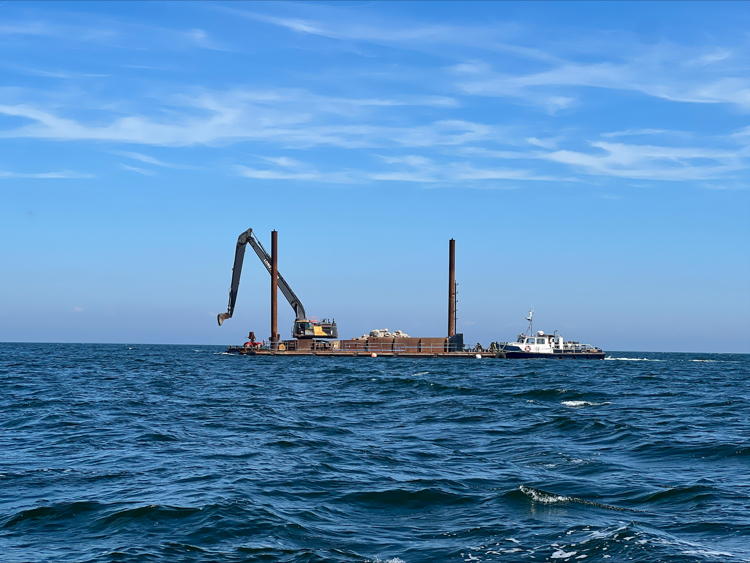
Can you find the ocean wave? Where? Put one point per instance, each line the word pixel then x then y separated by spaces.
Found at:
pixel 707 449
pixel 634 359
pixel 394 383
pixel 41 515
pixel 157 437
pixel 541 393
pixel 150 512
pixel 562 554
pixel 632 541
pixel 543 497
pixel 584 403
pixel 408 498
pixel 680 494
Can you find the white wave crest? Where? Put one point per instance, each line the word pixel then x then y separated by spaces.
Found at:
pixel 707 553
pixel 579 404
pixel 541 496
pixel 561 554
pixel 634 359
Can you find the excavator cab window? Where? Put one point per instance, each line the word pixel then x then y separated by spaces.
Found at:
pixel 301 327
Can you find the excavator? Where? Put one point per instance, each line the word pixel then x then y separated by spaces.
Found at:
pixel 303 327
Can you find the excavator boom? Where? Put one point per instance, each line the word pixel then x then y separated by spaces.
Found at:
pixel 248 237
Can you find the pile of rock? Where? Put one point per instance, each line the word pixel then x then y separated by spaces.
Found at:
pixel 382 333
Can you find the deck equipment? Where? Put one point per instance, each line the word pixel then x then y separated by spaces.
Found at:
pixel 303 327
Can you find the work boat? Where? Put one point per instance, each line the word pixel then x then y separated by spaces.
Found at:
pixel 540 345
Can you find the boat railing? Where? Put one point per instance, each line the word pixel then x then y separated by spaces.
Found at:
pixel 568 347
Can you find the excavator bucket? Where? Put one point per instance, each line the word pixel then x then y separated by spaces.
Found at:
pixel 221 317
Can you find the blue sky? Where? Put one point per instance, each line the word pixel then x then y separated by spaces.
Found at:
pixel 591 158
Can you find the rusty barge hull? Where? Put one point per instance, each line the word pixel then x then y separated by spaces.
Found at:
pixel 240 351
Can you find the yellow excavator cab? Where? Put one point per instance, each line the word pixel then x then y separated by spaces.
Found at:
pixel 307 328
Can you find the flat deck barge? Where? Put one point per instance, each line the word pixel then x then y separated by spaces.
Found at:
pixel 239 350
pixel 392 348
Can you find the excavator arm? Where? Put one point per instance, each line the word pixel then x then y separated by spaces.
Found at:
pixel 248 237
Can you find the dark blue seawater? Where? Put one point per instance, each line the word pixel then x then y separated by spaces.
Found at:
pixel 180 453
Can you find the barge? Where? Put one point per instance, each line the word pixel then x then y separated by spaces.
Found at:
pixel 544 348
pixel 313 337
pixel 425 347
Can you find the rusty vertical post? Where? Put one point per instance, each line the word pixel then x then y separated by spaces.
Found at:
pixel 274 287
pixel 452 288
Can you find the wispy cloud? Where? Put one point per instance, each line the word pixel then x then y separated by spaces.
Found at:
pixel 452 118
pixel 551 143
pixel 145 158
pixel 282 161
pixel 650 75
pixel 710 58
pixel 63 74
pixel 307 175
pixel 353 26
pixel 638 161
pixel 667 71
pixel 352 29
pixel 650 162
pixel 643 132
pixel 742 135
pixel 138 170
pixel 210 119
pixel 478 79
pixel 483 152
pixel 111 32
pixel 200 38
pixel 64 174
pixel 413 169
pixel 43 28
pixel 727 186
pixel 235 122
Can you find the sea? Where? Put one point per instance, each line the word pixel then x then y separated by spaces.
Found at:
pixel 147 453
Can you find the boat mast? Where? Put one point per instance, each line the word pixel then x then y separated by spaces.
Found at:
pixel 530 318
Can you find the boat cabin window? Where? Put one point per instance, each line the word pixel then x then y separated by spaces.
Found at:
pixel 530 341
pixel 521 339
pixel 540 341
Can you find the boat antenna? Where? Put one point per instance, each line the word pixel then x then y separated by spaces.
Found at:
pixel 530 318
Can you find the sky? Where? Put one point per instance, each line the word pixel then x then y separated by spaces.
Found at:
pixel 590 159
